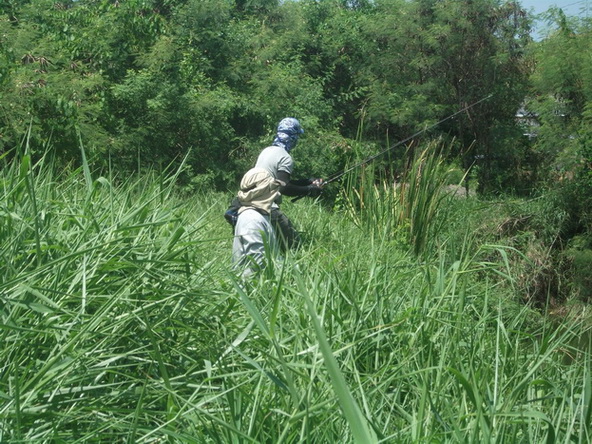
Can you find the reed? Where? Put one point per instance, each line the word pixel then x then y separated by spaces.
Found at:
pixel 127 324
pixel 412 206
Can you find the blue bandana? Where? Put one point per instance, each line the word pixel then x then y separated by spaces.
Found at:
pixel 288 131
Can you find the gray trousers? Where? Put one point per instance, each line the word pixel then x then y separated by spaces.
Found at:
pixel 253 237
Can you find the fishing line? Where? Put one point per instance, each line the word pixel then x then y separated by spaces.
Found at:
pixel 401 142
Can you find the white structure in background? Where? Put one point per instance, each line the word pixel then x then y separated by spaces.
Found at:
pixel 529 121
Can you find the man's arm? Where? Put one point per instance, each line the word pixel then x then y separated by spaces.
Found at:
pixel 297 188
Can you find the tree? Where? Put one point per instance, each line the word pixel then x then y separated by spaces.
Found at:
pixel 157 79
pixel 562 99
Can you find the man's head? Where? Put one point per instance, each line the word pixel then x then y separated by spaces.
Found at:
pixel 288 131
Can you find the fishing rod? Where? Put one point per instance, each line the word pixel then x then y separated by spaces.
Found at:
pixel 334 177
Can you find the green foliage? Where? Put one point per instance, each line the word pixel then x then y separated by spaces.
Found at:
pixel 412 205
pixel 122 321
pixel 581 263
pixel 539 235
pixel 583 170
pixel 201 27
pixel 155 80
pixel 404 317
pixel 435 56
pixel 561 84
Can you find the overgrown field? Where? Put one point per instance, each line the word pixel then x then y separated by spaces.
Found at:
pixel 122 321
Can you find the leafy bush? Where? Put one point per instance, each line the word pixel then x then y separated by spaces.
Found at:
pixel 581 264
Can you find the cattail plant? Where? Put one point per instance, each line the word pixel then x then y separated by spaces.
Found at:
pixel 413 204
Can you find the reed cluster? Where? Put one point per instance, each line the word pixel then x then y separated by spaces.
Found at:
pixel 122 321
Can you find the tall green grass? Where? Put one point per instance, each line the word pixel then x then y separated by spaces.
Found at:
pixel 410 207
pixel 121 321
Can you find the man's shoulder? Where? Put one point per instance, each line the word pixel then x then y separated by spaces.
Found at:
pixel 275 151
pixel 275 148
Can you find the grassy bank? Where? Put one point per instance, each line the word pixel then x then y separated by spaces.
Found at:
pixel 122 321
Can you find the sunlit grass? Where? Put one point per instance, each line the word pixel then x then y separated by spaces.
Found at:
pixel 121 321
pixel 409 208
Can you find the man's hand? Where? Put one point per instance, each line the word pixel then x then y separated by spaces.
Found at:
pixel 314 190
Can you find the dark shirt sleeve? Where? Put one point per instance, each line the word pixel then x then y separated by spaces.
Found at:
pixel 293 188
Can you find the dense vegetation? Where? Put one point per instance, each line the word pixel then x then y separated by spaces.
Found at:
pixel 122 321
pixel 149 82
pixel 407 315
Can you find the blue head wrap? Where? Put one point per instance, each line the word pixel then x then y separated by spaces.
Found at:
pixel 288 131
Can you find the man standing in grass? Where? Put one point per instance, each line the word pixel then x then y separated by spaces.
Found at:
pixel 253 234
pixel 277 161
